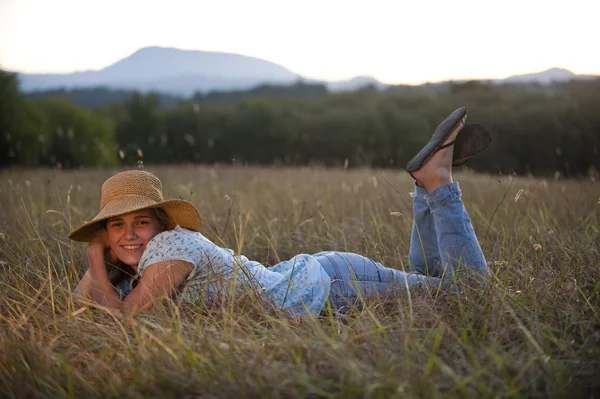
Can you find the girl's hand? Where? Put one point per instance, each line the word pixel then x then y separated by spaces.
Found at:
pixel 100 240
pixel 101 245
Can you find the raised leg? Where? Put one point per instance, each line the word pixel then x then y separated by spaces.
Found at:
pixel 456 239
pixel 424 253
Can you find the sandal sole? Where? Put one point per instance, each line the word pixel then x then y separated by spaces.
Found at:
pixel 471 140
pixel 444 129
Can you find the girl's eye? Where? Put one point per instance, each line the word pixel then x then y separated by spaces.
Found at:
pixel 116 224
pixel 143 222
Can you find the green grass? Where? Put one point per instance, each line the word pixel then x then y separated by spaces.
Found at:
pixel 534 331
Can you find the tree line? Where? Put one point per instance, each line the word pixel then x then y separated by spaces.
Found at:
pixel 539 129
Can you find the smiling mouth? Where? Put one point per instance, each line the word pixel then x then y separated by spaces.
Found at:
pixel 131 248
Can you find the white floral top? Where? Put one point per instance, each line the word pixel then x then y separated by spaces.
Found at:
pixel 299 285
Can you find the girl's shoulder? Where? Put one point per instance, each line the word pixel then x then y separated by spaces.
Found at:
pixel 177 237
pixel 180 244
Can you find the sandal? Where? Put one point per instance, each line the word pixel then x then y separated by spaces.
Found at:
pixel 436 143
pixel 470 140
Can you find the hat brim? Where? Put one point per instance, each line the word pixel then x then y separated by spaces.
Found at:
pixel 181 212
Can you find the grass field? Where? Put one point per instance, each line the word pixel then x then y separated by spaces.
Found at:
pixel 534 331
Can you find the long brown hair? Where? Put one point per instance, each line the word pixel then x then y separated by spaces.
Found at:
pixel 164 219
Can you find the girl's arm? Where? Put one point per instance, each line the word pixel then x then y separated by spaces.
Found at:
pixel 83 290
pixel 158 280
pixel 101 289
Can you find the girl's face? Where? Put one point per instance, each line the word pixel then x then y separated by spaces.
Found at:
pixel 130 233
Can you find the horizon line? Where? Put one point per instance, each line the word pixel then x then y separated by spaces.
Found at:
pixel 301 77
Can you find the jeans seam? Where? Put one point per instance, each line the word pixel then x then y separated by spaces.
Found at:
pixel 443 195
pixel 353 283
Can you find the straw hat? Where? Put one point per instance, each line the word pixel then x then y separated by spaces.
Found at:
pixel 135 190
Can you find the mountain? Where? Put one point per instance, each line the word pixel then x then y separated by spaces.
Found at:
pixel 546 77
pixel 170 70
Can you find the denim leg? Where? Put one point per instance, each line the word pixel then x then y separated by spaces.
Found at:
pixel 424 253
pixel 458 245
pixel 353 276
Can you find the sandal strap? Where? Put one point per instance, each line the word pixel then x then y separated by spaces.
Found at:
pixel 446 145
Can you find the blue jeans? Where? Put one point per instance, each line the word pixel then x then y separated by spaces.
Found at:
pixel 443 245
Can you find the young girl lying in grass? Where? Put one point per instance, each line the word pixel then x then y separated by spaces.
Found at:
pixel 160 241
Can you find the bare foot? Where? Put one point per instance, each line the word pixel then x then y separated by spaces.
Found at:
pixel 437 170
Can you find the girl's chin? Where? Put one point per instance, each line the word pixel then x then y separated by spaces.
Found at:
pixel 130 260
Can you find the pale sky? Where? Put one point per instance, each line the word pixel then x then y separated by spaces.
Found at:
pixel 402 41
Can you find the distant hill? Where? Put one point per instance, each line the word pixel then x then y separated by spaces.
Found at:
pixel 545 77
pixel 169 70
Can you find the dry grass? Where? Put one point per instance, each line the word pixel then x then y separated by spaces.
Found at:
pixel 535 331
